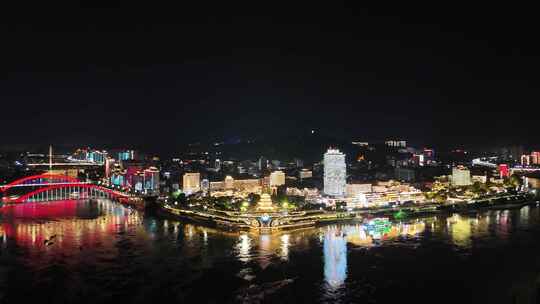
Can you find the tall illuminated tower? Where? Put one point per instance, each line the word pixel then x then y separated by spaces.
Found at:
pixel 335 173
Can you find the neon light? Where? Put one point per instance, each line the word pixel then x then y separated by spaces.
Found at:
pixel 88 186
pixel 39 176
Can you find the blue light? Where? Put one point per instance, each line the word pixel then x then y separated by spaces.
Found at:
pixel 265 218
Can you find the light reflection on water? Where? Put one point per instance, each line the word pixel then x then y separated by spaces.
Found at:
pixel 102 235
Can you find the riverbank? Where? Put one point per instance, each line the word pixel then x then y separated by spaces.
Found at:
pixel 259 221
pixel 266 222
pixel 506 202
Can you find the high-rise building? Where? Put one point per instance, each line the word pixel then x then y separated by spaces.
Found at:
pixel 126 155
pixel 191 182
pixel 132 168
pixel 205 185
pixel 109 165
pixel 277 178
pixel 151 179
pixel 461 176
pixel 335 173
pixel 137 181
pixel 418 160
pixel 429 155
pixel 396 143
pixel 97 156
pixel 535 158
pixel 525 160
pixel 89 155
pixel 503 170
pixel 262 163
pixel 118 179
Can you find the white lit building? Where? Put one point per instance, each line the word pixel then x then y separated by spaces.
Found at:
pixel 277 178
pixel 360 143
pixel 353 190
pixel 461 176
pixel 229 182
pixel 396 143
pixel 205 185
pixel 335 173
pixel 191 182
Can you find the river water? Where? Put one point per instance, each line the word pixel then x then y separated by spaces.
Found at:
pixel 103 252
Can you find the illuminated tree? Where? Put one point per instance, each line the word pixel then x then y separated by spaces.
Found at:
pixel 514 181
pixel 440 197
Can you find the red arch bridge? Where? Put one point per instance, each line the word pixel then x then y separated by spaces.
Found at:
pixel 51 187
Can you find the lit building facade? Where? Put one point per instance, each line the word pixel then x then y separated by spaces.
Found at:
pixel 205 185
pixel 479 178
pixel 396 143
pixel 191 182
pixel 461 176
pixel 531 159
pixel 262 163
pixel 109 165
pixel 89 155
pixel 304 173
pixel 535 158
pixel 237 187
pixel 335 173
pixel 354 190
pixel 504 171
pixel 228 182
pixel 126 155
pixel 277 178
pixel 151 179
pixel 525 160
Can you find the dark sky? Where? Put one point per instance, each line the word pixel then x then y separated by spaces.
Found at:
pixel 122 73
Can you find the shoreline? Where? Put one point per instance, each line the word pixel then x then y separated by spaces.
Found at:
pixel 269 222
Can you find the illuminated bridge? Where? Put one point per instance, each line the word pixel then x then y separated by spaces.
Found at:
pixel 52 187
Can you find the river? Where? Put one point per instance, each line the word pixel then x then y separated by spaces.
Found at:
pixel 103 252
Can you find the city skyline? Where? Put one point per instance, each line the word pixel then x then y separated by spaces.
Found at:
pixel 268 152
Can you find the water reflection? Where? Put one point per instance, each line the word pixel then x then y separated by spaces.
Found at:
pixel 244 247
pixel 284 254
pixel 335 257
pixel 460 229
pixel 67 223
pixel 126 245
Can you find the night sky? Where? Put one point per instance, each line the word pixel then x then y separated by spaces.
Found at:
pixel 123 73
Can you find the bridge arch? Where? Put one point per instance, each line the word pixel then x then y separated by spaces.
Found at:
pixel 79 187
pixel 47 176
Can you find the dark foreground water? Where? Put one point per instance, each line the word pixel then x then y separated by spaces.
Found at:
pixel 102 252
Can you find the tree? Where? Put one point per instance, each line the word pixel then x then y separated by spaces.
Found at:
pixel 182 200
pixel 440 197
pixel 341 205
pixel 515 181
pixel 429 195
